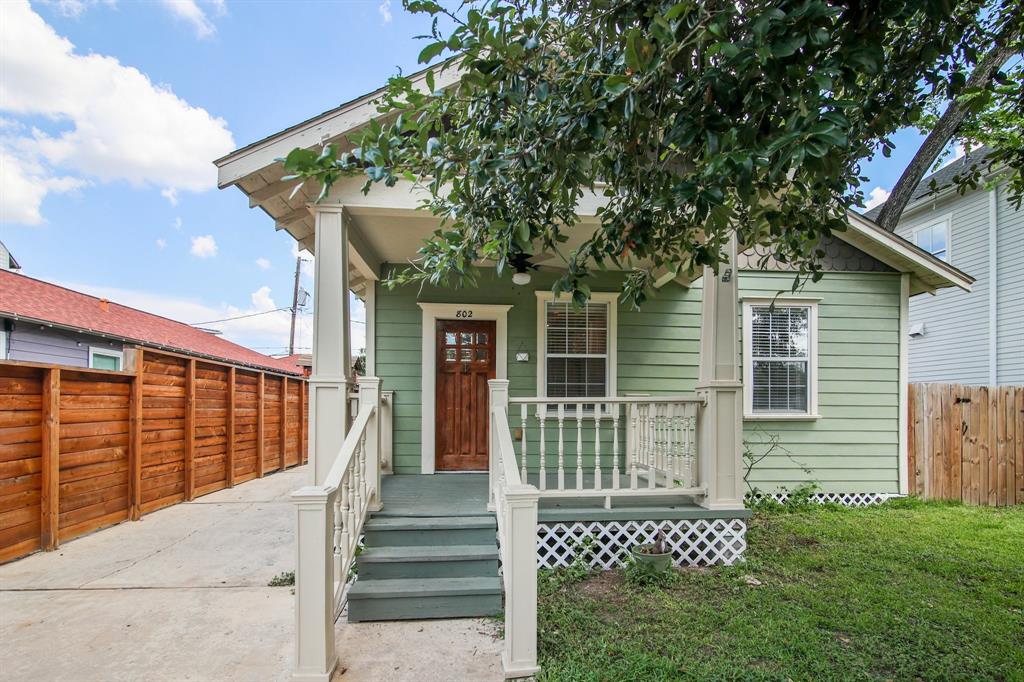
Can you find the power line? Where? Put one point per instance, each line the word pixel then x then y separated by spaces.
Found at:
pixel 240 317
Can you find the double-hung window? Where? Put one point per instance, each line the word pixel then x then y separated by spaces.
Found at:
pixel 576 357
pixel 934 238
pixel 780 359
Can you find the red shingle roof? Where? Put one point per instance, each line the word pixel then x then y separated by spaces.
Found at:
pixel 25 297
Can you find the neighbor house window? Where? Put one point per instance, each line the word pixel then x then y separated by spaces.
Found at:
pixel 576 347
pixel 3 344
pixel 780 358
pixel 934 239
pixel 102 358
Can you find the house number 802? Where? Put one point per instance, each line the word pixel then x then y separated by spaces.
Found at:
pixel 464 314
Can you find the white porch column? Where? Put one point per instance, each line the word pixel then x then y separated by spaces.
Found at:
pixel 369 394
pixel 519 657
pixel 315 657
pixel 328 384
pixel 720 424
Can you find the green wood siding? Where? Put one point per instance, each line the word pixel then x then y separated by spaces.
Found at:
pixel 852 448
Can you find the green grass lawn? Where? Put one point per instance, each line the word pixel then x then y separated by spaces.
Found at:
pixel 907 590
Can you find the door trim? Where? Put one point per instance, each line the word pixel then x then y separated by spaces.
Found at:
pixel 432 312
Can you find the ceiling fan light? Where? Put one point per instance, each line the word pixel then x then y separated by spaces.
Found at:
pixel 521 278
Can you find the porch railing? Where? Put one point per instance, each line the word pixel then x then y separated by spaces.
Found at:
pixel 329 523
pixel 610 446
pixel 515 506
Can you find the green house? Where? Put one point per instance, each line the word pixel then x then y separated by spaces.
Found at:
pixel 500 423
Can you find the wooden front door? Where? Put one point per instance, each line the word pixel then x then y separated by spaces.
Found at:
pixel 465 361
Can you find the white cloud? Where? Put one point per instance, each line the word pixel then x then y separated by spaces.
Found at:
pixel 176 224
pixel 958 152
pixel 92 119
pixel 75 8
pixel 307 267
pixel 161 244
pixel 263 263
pixel 170 194
pixel 876 197
pixel 385 11
pixel 204 246
pixel 192 13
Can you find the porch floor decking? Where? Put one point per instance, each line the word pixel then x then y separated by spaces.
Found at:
pixel 458 494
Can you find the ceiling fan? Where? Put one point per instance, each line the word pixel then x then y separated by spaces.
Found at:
pixel 523 262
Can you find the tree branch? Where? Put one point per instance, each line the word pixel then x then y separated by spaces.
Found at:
pixel 946 127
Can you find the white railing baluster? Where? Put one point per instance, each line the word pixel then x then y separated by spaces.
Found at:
pixel 541 418
pixel 579 446
pixel 522 438
pixel 597 446
pixel 561 446
pixel 615 445
pixel 634 446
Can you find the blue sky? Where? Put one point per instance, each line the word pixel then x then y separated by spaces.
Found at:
pixel 99 191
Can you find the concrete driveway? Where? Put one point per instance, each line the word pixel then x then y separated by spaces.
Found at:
pixel 183 595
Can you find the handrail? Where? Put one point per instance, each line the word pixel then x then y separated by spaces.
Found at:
pixel 349 447
pixel 506 450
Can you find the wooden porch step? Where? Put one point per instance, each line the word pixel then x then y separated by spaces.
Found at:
pixel 452 561
pixel 421 531
pixel 415 598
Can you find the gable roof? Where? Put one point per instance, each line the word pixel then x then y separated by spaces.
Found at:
pixel 10 257
pixel 256 172
pixel 33 300
pixel 943 178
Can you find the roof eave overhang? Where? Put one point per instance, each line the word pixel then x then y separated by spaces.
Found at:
pixel 928 273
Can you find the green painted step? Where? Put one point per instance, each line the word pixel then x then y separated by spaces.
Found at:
pixel 415 598
pixel 452 561
pixel 410 531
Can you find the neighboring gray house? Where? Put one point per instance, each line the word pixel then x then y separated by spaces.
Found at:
pixel 7 261
pixel 956 336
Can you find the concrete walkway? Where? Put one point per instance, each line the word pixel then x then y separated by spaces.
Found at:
pixel 183 595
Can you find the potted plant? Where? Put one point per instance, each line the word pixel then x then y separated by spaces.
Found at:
pixel 653 558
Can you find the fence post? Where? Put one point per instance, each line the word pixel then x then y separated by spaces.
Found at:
pixel 260 444
pixel 190 429
pixel 519 657
pixel 49 491
pixel 498 398
pixel 230 478
pixel 283 431
pixel 315 657
pixel 369 394
pixel 135 437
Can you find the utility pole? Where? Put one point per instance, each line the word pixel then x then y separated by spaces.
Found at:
pixel 295 305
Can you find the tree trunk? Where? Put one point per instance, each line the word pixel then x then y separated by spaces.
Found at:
pixel 939 137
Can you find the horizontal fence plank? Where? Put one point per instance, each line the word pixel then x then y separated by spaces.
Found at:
pixel 84 449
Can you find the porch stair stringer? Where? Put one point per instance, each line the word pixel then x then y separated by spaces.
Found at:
pixel 415 567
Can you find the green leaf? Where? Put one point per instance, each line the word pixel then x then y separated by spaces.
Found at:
pixel 431 51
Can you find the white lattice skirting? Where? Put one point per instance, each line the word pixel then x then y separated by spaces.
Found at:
pixel 845 499
pixel 694 542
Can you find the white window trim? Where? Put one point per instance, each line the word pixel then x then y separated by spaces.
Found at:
pixel 432 312
pixel 106 352
pixel 812 361
pixel 947 220
pixel 612 299
pixel 3 344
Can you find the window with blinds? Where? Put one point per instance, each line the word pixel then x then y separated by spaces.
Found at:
pixel 576 344
pixel 780 343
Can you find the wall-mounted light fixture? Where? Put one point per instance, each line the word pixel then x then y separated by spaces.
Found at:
pixel 727 275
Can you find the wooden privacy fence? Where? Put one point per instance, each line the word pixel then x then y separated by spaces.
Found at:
pixel 81 449
pixel 967 443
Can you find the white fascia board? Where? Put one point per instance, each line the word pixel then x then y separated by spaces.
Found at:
pixel 899 253
pixel 327 126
